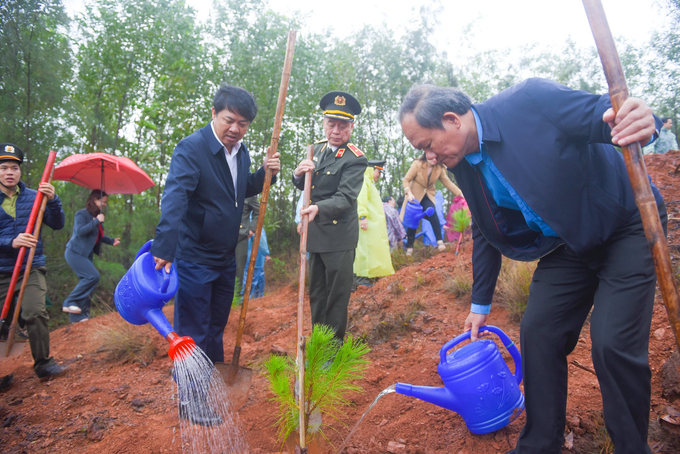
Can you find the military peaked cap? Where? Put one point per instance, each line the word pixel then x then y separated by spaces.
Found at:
pixel 340 105
pixel 10 152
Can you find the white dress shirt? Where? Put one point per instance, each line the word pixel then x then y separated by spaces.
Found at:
pixel 231 156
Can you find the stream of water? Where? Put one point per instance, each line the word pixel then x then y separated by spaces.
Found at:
pixel 207 423
pixel 389 389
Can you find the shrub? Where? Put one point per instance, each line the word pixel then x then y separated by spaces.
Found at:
pixel 458 285
pixel 124 342
pixel 513 286
pixel 330 372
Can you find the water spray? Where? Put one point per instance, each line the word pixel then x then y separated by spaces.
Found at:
pixel 141 294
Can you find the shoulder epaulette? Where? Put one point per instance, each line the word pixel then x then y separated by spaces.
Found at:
pixel 358 153
pixel 321 141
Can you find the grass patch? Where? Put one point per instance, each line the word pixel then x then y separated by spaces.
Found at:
pixel 396 288
pixel 419 282
pixel 513 286
pixel 393 324
pixel 126 343
pixel 602 439
pixel 458 285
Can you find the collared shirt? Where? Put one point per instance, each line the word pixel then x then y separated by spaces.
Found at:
pixel 503 193
pixel 9 204
pixel 231 156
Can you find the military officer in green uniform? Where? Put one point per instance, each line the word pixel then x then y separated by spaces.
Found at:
pixel 337 175
pixel 251 211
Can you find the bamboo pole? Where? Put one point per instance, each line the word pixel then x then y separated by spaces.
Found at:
pixel 278 119
pixel 637 172
pixel 301 344
pixel 27 272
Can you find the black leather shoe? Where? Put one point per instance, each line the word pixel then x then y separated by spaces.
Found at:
pixel 201 415
pixel 51 371
pixel 6 382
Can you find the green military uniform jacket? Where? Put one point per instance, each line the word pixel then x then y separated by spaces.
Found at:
pixel 336 183
pixel 250 205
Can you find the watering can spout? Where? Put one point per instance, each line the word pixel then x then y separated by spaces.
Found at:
pixel 441 397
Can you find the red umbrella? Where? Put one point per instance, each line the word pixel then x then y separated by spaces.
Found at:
pixel 111 174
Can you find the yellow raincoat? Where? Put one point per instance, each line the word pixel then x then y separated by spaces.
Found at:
pixel 373 257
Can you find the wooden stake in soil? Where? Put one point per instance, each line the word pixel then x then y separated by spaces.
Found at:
pixel 306 200
pixel 31 254
pixel 278 119
pixel 637 172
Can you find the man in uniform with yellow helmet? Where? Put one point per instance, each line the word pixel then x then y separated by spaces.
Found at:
pixel 337 174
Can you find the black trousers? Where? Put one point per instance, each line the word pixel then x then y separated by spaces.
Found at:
pixel 617 280
pixel 434 220
pixel 330 287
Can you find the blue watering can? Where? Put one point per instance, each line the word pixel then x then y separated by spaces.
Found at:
pixel 413 213
pixel 477 383
pixel 141 294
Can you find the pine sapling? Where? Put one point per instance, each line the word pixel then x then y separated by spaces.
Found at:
pixel 331 372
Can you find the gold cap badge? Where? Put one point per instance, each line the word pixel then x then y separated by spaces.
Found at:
pixel 9 148
pixel 339 100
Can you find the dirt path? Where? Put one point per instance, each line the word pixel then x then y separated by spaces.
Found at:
pixel 102 406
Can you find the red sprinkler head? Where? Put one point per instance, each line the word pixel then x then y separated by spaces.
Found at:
pixel 180 347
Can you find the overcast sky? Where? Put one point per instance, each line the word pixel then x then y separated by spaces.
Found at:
pixel 496 24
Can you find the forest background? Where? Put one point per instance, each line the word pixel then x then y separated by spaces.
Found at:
pixel 133 77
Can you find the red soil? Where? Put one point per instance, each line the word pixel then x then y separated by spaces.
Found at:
pixel 102 406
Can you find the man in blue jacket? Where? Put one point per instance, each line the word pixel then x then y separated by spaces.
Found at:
pixel 543 182
pixel 201 208
pixel 16 202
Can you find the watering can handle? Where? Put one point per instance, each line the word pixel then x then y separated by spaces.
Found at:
pixel 166 281
pixel 507 342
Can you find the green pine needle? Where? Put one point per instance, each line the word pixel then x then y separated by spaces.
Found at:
pixel 331 373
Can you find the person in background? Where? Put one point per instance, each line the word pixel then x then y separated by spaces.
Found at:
pixel 86 240
pixel 667 140
pixel 201 208
pixel 560 195
pixel 458 203
pixel 337 171
pixel 395 228
pixel 257 286
pixel 372 258
pixel 419 185
pixel 251 211
pixel 16 203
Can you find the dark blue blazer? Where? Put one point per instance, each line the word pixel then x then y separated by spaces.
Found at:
pixel 552 146
pixel 85 232
pixel 200 216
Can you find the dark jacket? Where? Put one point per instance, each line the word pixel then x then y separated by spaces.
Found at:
pixel 336 183
pixel 200 216
pixel 551 145
pixel 10 228
pixel 251 205
pixel 84 237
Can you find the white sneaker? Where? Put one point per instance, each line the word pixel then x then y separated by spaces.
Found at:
pixel 409 252
pixel 441 246
pixel 72 309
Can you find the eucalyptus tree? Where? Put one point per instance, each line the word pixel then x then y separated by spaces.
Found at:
pixel 36 68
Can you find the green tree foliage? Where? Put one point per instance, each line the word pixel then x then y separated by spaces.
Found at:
pixel 36 70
